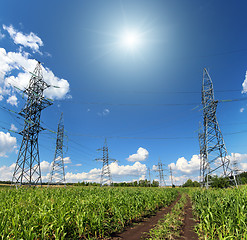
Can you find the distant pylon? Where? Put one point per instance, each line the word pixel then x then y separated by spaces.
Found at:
pixel 171 175
pixel 105 177
pixel 235 170
pixel 57 175
pixel 215 160
pixel 27 170
pixel 160 170
pixel 149 175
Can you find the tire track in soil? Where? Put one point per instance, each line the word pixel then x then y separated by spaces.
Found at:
pixel 187 232
pixel 141 230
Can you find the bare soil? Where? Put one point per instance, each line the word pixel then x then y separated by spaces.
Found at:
pixel 141 229
pixel 188 232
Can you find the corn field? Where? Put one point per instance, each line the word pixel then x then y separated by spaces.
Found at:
pixel 222 213
pixel 76 212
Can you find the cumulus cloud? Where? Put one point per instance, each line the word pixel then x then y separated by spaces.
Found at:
pixel 16 60
pixel 185 166
pixel 45 166
pixel 136 170
pixel 244 84
pixel 30 40
pixel 13 127
pixel 7 144
pixel 241 160
pixel 1 35
pixel 66 160
pixel 141 155
pixel 6 172
pixel 12 100
pixel 241 110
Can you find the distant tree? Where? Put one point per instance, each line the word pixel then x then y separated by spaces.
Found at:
pixel 190 183
pixel 155 183
pixel 219 182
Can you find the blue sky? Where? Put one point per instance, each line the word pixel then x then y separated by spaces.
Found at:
pixel 136 97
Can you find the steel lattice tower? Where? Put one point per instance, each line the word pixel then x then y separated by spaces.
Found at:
pixel 214 157
pixel 105 177
pixel 27 170
pixel 149 175
pixel 171 175
pixel 160 170
pixel 203 163
pixel 57 175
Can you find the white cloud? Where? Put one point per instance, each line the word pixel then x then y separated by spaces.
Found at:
pixel 7 143
pixel 244 84
pixel 141 155
pixel 30 40
pixel 12 100
pixel 185 166
pixel 243 166
pixel 66 160
pixel 241 110
pixel 13 127
pixel 6 172
pixel 241 160
pixel 105 112
pixel 14 60
pixel 78 165
pixel 136 170
pixel 45 167
pixel 1 35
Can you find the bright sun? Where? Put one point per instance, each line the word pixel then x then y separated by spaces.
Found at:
pixel 130 40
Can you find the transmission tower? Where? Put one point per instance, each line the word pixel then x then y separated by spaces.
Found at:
pixel 160 170
pixel 149 175
pixel 57 175
pixel 105 177
pixel 171 175
pixel 215 160
pixel 203 163
pixel 235 170
pixel 27 170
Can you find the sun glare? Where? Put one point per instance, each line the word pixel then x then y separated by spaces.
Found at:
pixel 130 40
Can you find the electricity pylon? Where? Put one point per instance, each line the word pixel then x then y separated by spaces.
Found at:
pixel 215 160
pixel 57 175
pixel 160 170
pixel 203 163
pixel 105 177
pixel 149 175
pixel 27 170
pixel 235 170
pixel 171 175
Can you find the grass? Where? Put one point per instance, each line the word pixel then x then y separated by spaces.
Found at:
pixel 169 227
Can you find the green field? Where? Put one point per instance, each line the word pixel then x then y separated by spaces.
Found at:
pixel 75 212
pixel 95 213
pixel 222 213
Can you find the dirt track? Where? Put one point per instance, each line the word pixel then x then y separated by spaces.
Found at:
pixel 138 232
pixel 188 224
